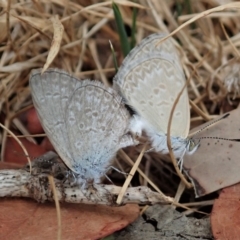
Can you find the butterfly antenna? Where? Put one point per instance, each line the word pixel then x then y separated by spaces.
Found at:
pixel 210 124
pixel 219 138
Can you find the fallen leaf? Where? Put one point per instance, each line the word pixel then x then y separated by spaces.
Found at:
pixel 23 219
pixel 15 154
pixel 215 164
pixel 33 124
pixel 47 145
pixel 225 219
pixel 26 219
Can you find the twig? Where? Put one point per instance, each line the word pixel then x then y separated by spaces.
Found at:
pixel 20 183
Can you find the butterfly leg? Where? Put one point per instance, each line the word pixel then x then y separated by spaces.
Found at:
pixel 180 160
pixel 94 192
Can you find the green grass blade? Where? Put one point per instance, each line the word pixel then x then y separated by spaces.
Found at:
pixel 125 45
pixel 134 19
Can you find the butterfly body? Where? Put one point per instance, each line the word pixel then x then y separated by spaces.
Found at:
pixel 85 121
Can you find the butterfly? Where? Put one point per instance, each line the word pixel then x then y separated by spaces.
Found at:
pixel 150 79
pixel 85 121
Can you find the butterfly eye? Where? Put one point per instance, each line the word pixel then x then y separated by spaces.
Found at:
pixel 192 145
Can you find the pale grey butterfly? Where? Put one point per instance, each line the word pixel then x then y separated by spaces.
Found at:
pixel 150 79
pixel 85 121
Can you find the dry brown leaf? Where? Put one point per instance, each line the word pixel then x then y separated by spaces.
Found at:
pixel 47 145
pixel 56 42
pixel 33 124
pixel 15 154
pixel 225 219
pixel 26 219
pixel 215 164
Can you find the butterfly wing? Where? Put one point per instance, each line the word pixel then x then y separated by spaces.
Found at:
pixel 215 164
pixel 150 80
pixel 81 119
pixel 50 94
pixel 97 125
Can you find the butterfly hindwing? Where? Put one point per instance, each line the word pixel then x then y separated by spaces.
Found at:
pixel 96 124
